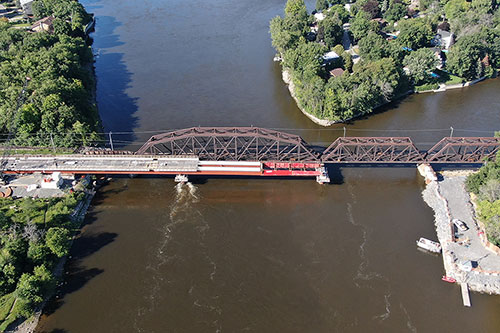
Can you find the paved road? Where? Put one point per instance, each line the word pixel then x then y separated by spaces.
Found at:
pixel 452 188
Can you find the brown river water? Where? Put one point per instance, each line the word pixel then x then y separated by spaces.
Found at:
pixel 257 255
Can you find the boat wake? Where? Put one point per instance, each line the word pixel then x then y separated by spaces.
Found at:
pixel 387 312
pixel 181 211
pixel 409 324
pixel 362 274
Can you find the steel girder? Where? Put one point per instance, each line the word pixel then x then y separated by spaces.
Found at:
pixel 372 150
pixel 463 150
pixel 259 144
pixel 231 143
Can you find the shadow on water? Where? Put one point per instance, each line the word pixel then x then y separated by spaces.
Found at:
pixel 55 330
pixel 335 174
pixel 76 274
pixel 116 107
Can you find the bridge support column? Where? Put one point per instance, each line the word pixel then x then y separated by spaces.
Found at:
pixel 181 179
pixel 323 177
pixel 427 172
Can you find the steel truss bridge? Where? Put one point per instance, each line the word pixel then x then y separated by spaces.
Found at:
pixel 254 151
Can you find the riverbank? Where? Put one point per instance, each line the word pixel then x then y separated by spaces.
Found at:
pixel 444 87
pixel 449 199
pixel 29 325
pixel 287 78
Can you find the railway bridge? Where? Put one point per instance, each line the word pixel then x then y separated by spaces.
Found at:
pixel 253 151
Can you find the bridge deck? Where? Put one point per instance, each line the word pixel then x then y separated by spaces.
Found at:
pixel 101 164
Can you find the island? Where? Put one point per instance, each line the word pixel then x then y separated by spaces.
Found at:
pixel 346 59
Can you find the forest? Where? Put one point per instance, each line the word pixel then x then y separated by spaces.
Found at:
pixel 394 47
pixel 485 184
pixel 34 235
pixel 57 106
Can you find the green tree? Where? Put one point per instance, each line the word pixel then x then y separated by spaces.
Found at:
pixel 38 252
pixel 395 12
pixel 420 63
pixel 321 5
pixel 332 31
pixel 4 221
pixel 415 33
pixel 456 8
pixel 347 60
pixel 339 12
pixel 296 10
pixel 361 25
pixel 464 56
pixel 58 241
pixel 372 8
pixel 373 47
pixel 29 294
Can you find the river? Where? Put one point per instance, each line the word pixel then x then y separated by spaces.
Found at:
pixel 257 255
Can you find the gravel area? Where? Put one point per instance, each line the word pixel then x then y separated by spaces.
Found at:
pixel 449 199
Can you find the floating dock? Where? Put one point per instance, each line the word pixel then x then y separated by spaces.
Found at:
pixel 465 294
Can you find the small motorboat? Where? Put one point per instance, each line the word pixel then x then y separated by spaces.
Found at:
pixel 429 245
pixel 448 279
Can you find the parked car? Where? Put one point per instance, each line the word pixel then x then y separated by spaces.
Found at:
pixel 460 225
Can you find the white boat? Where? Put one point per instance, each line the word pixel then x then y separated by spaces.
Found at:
pixel 460 225
pixel 181 179
pixel 429 245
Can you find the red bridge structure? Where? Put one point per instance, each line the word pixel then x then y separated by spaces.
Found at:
pixel 253 151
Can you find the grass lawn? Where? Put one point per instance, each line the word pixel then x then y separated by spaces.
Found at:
pixel 20 25
pixel 7 316
pixel 447 78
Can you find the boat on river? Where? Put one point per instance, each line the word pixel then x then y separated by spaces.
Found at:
pixel 429 245
pixel 449 279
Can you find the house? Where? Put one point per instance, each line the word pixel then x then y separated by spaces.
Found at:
pixel 336 72
pixel 381 22
pixel 443 39
pixel 330 56
pixel 319 17
pixel 439 55
pixel 26 6
pixel 44 24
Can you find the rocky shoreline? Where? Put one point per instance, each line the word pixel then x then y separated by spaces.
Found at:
pixel 449 199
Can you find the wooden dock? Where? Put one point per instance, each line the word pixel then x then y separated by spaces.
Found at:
pixel 465 294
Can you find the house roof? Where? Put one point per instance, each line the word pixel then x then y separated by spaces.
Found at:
pixel 444 33
pixel 46 20
pixel 337 72
pixel 24 2
pixel 319 16
pixel 330 55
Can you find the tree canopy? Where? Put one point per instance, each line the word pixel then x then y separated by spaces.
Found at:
pixel 59 91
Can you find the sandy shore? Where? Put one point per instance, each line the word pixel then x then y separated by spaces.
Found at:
pixel 449 199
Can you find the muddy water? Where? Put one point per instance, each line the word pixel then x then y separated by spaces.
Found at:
pixel 226 255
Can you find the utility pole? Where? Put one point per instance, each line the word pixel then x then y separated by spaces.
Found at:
pixel 451 132
pixel 111 141
pixel 344 131
pixel 52 143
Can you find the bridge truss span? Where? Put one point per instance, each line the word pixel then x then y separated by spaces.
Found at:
pixel 372 150
pixel 463 150
pixel 231 144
